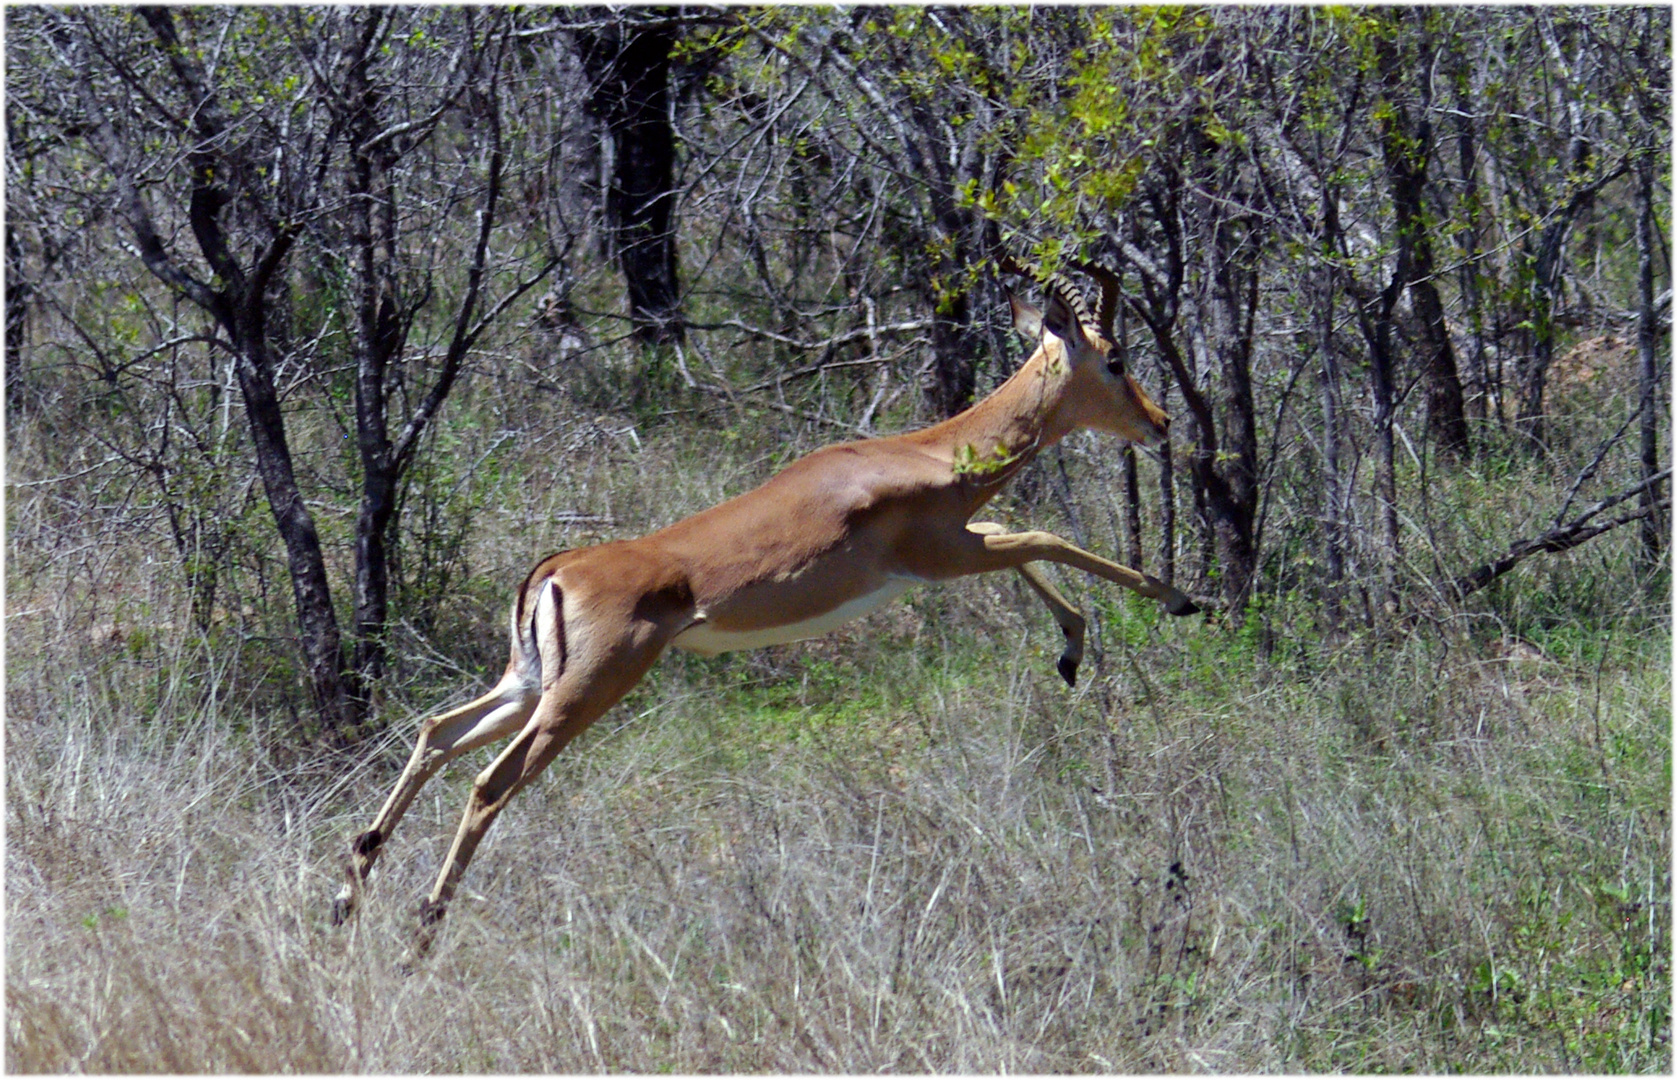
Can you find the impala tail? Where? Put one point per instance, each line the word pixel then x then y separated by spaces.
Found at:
pixel 538 604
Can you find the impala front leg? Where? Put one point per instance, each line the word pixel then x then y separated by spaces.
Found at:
pixel 1070 620
pixel 1001 551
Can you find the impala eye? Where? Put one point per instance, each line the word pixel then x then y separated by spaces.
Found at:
pixel 1115 367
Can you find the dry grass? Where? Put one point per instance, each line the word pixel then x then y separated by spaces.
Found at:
pixel 906 847
pixel 1197 862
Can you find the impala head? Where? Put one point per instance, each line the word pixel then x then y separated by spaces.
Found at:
pixel 1102 395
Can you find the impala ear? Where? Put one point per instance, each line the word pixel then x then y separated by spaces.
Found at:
pixel 1059 319
pixel 1027 320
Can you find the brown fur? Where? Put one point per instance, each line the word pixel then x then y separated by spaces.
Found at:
pixel 845 525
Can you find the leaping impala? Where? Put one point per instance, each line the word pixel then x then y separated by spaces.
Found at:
pixel 835 535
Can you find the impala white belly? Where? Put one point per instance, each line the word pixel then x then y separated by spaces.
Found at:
pixel 708 641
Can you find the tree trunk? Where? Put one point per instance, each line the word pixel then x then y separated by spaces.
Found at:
pixel 379 338
pixel 954 374
pixel 384 317
pixel 1232 491
pixel 1647 342
pixel 1379 337
pixel 1406 143
pixel 238 300
pixel 628 63
pixel 1375 320
pixel 18 291
pixel 1132 510
pixel 1333 499
pixel 956 342
pixel 1167 515
pixel 317 623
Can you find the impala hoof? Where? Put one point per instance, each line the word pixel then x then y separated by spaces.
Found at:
pixel 342 908
pixel 1181 605
pixel 431 914
pixel 1067 668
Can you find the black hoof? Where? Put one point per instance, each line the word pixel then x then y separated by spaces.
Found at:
pixel 1067 668
pixel 430 915
pixel 1185 607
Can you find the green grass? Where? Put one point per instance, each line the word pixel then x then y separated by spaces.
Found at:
pixel 906 846
pixel 909 849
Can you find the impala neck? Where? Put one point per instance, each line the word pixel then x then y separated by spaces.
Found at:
pixel 997 437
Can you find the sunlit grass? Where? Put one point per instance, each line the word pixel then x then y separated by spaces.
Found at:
pixel 910 849
pixel 1437 845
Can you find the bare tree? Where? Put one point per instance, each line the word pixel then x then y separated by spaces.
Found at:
pixel 627 55
pixel 253 172
pixel 1405 123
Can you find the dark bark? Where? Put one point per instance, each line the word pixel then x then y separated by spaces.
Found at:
pixel 317 623
pixel 1167 509
pixel 1406 144
pixel 1446 413
pixel 238 301
pixel 1132 510
pixel 17 319
pixel 1647 342
pixel 628 64
pixel 1233 490
pixel 954 374
pixel 957 342
pixel 379 337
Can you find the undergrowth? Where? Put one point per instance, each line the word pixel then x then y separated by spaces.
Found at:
pixel 1285 843
pixel 907 846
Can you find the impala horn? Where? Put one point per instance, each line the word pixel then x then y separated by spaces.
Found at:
pixel 1059 284
pixel 1109 296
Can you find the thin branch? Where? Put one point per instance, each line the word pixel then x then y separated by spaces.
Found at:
pixel 815 346
pixel 1589 471
pixel 1563 538
pixel 465 330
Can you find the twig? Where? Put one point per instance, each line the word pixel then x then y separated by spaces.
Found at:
pixel 1607 445
pixel 815 346
pixel 1563 538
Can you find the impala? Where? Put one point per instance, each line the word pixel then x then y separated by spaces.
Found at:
pixel 835 535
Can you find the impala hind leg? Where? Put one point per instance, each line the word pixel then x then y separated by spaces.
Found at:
pixel 569 704
pixel 442 738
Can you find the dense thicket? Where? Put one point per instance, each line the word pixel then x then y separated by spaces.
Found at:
pixel 259 250
pixel 324 324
